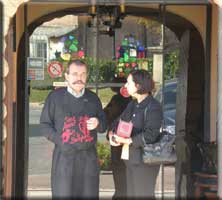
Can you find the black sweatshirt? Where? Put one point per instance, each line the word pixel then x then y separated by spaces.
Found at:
pixel 63 119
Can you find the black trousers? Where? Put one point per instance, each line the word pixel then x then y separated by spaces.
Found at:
pixel 75 175
pixel 119 173
pixel 141 180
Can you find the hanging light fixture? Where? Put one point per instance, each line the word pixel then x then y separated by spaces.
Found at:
pixel 108 17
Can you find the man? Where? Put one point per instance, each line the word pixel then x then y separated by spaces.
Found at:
pixel 71 118
pixel 113 110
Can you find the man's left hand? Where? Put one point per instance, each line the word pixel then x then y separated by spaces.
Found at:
pixel 92 123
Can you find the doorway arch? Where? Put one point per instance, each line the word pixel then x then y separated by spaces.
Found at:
pixel 194 114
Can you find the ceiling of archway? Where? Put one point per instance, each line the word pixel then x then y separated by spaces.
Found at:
pixel 38 8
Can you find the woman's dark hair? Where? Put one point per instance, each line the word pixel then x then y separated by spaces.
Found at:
pixel 76 62
pixel 143 81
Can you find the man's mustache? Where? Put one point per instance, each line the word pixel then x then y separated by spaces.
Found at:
pixel 79 82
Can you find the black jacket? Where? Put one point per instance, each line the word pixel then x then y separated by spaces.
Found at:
pixel 63 119
pixel 149 127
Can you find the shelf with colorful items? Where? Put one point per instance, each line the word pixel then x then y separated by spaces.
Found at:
pixel 71 48
pixel 130 55
pixel 68 49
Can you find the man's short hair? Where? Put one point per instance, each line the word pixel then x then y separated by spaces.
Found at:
pixel 143 81
pixel 77 62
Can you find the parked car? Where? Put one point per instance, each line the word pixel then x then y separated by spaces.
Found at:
pixel 169 107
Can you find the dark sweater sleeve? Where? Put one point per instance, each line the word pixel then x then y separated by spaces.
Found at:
pixel 152 125
pixel 101 117
pixel 47 127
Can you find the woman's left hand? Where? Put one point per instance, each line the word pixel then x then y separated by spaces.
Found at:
pixel 122 140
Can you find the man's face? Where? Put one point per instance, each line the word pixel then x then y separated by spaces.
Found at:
pixel 76 77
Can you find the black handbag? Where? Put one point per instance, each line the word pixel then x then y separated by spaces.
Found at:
pixel 160 152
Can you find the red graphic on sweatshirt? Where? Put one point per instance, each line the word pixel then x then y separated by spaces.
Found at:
pixel 66 136
pixel 75 130
pixel 69 122
pixel 83 125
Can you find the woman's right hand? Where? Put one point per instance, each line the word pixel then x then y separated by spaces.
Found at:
pixel 111 136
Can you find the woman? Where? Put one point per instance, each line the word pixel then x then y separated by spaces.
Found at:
pixel 141 178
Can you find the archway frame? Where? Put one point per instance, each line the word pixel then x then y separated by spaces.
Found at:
pixel 22 98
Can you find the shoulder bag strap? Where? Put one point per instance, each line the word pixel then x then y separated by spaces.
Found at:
pixel 144 121
pixel 145 112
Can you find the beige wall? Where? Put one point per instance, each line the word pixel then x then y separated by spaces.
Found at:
pixel 214 63
pixel 195 14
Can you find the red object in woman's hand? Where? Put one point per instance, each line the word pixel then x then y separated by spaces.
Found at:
pixel 124 92
pixel 124 129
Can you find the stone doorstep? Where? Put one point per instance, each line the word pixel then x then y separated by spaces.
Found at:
pixel 47 193
pixel 42 181
pixel 107 192
pixel 103 193
pixel 101 190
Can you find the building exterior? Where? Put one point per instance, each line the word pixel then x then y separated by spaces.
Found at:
pixel 197 25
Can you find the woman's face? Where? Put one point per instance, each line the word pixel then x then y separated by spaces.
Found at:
pixel 131 86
